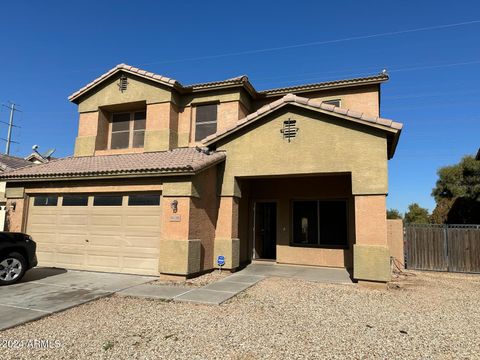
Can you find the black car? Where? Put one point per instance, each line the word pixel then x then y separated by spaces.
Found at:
pixel 17 255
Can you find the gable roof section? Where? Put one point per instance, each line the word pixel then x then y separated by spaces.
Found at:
pixel 239 81
pixel 8 162
pixel 130 70
pixel 182 161
pixel 392 127
pixel 376 79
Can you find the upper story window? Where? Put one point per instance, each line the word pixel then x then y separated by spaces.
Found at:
pixel 128 130
pixel 205 121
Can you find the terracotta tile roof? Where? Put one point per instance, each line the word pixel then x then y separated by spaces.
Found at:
pixel 239 81
pixel 347 114
pixel 235 80
pixel 177 161
pixel 327 84
pixel 8 162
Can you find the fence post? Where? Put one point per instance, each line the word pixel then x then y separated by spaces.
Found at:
pixel 445 246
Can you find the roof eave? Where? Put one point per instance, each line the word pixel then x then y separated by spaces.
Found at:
pixel 247 123
pixel 76 95
pixel 312 88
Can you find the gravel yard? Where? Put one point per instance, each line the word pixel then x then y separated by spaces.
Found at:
pixel 425 315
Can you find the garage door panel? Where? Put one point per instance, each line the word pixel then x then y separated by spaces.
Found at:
pixel 152 242
pixel 74 219
pixel 105 240
pixel 44 237
pixel 107 261
pixel 106 220
pixel 46 219
pixel 65 239
pixel 65 259
pixel 46 258
pixel 120 238
pixel 140 221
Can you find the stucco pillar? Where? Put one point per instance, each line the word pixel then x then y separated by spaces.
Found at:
pixel 371 256
pixel 179 255
pixel 227 242
pixel 86 140
pixel 161 127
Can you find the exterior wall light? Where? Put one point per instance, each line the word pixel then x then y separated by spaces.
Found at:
pixel 174 206
pixel 13 205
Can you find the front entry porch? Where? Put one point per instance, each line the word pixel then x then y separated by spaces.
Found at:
pixel 304 220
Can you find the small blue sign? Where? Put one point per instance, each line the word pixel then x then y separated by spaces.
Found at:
pixel 221 260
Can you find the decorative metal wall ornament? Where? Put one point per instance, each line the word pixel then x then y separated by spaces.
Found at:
pixel 290 129
pixel 122 83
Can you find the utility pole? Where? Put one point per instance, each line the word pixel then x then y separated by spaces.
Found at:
pixel 10 126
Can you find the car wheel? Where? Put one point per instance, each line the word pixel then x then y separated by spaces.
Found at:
pixel 12 268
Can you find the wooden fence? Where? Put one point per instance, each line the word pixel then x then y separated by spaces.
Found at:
pixel 454 248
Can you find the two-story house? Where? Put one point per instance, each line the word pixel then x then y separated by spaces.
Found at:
pixel 166 177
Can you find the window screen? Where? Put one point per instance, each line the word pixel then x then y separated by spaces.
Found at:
pixel 144 200
pixel 48 200
pixel 107 200
pixel 139 122
pixel 120 131
pixel 75 200
pixel 320 223
pixel 206 121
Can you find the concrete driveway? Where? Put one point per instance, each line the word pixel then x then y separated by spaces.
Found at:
pixel 44 291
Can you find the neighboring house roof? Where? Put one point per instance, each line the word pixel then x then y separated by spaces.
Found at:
pixel 8 162
pixel 236 81
pixel 182 161
pixel 478 154
pixel 36 157
pixel 316 105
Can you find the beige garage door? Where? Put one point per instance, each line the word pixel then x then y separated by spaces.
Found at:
pixel 107 232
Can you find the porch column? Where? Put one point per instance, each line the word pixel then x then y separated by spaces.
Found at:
pixel 227 242
pixel 371 256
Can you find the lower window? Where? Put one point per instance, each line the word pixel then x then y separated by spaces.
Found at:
pixel 320 223
pixel 107 200
pixel 75 200
pixel 48 200
pixel 144 200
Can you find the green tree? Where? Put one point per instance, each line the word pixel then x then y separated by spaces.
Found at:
pixel 416 215
pixel 459 180
pixel 393 214
pixel 457 193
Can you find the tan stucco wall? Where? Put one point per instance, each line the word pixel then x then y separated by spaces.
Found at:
pixel 371 252
pixel 138 90
pixel 203 215
pixel 323 145
pixel 227 243
pixel 395 239
pixel 161 127
pixel 364 99
pixel 14 218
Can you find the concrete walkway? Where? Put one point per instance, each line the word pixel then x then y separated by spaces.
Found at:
pixel 214 294
pixel 220 291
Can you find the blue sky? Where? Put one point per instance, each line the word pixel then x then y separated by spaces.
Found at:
pixel 51 48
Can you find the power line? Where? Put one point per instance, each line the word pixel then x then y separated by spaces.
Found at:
pixel 316 43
